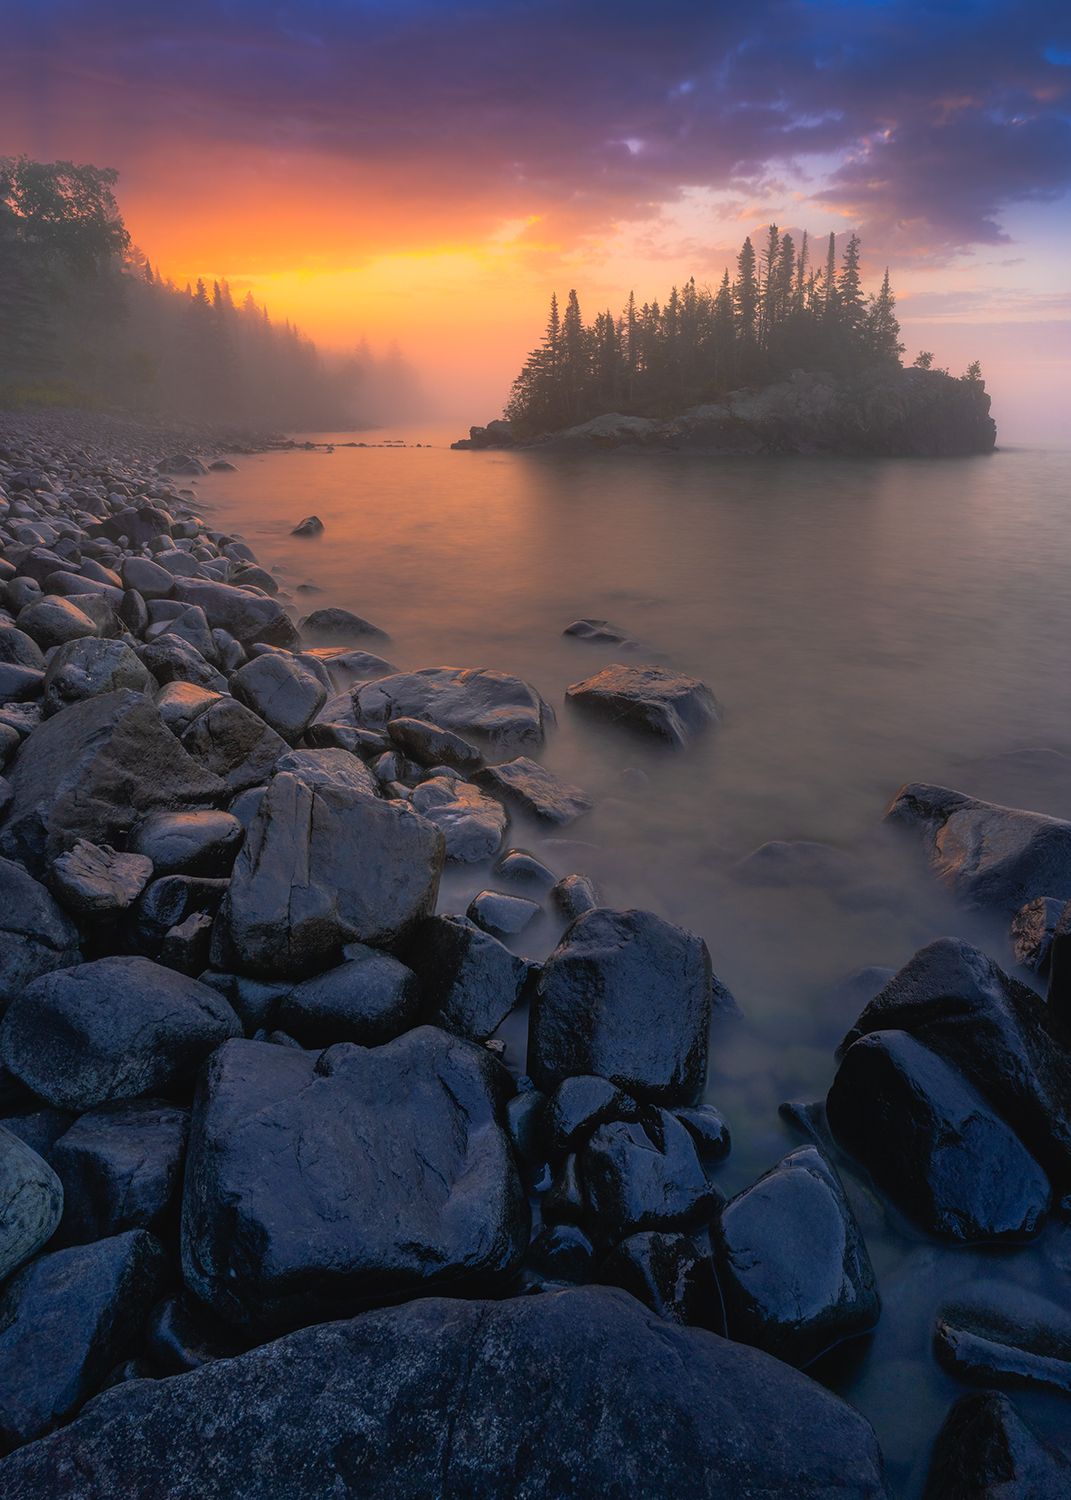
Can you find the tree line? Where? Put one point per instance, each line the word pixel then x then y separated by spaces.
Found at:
pixel 782 311
pixel 84 319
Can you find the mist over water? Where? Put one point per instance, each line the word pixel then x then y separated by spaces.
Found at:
pixel 863 624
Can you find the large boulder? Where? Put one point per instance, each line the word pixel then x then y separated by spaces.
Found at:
pixel 188 843
pixel 330 766
pixel 91 771
pixel 112 1029
pixel 248 617
pixel 488 707
pixel 625 995
pixel 232 742
pixel 985 1451
pixel 286 694
pixel 314 1184
pixel 988 856
pixel 31 1202
pixel 472 824
pixel 643 1174
pixel 121 1168
pixel 792 1265
pixel 323 866
pixel 931 1141
pixel 369 999
pixel 656 701
pixel 35 934
pixel 66 1320
pixel 470 980
pixel 996 1032
pixel 571 1395
pixel 86 668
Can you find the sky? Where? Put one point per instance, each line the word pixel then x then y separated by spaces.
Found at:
pixel 429 172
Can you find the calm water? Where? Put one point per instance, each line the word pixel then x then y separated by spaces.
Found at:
pixel 862 623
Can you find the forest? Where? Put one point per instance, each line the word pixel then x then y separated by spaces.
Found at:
pixel 781 312
pixel 85 320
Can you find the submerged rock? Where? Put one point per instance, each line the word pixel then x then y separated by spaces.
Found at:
pixel 1033 928
pixel 654 700
pixel 489 707
pixel 627 996
pixel 502 915
pixel 985 1451
pixel 310 526
pixel 391 1162
pixel 339 625
pixel 933 1143
pixel 1004 1335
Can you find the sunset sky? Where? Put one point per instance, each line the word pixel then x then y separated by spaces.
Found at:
pixel 429 171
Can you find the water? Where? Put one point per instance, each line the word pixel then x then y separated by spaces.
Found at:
pixel 863 624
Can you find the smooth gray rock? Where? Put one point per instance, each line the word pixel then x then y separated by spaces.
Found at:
pixel 501 914
pixel 232 742
pixel 121 1168
pixel 35 934
pixel 20 649
pixel 470 980
pixel 248 617
pixel 53 621
pixel 492 709
pixel 323 866
pixel 330 766
pixel 188 843
pixel 171 658
pixel 432 746
pixel 524 784
pixel 115 1028
pixel 31 1202
pixel 369 999
pixel 573 1394
pixel 181 702
pixel 284 693
pixel 472 823
pixel 654 700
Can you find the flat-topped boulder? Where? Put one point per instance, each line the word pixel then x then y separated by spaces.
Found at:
pixel 323 866
pixel 491 708
pixel 317 1183
pixel 559 1395
pixel 91 771
pixel 988 856
pixel 656 701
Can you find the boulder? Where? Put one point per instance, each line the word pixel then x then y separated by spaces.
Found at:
pixel 470 981
pixel 931 1142
pixel 20 684
pixel 670 1275
pixel 284 693
pixel 91 771
pixel 66 1320
pixel 112 1029
pixel 985 1451
pixel 600 633
pixel 988 856
pixel 432 746
pixel 323 866
pixel 93 880
pixel 656 701
pixel 560 1395
pixel 121 1168
pixel 792 1265
pixel 1000 1334
pixel 577 1106
pixel 369 999
pixel 232 742
pixel 496 711
pixel 339 625
pixel 146 577
pixel 171 658
pixel 1033 928
pixel 181 702
pixel 53 621
pixel 330 766
pixel 248 617
pixel 31 1202
pixel 310 526
pixel 1000 1035
pixel 524 784
pixel 574 895
pixel 35 935
pixel 625 995
pixel 389 1164
pixel 472 824
pixel 526 872
pixel 644 1174
pixel 500 914
pixel 188 843
pixel 19 649
pixel 708 1129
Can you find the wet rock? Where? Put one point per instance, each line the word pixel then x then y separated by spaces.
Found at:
pixel 282 692
pixel 574 895
pixel 93 880
pixel 248 617
pixel 502 915
pixel 39 1128
pixel 232 742
pixel 792 1265
pixel 653 700
pixel 526 872
pixel 1032 930
pixel 432 746
pixel 708 1130
pixel 391 1161
pixel 369 999
pixel 561 1252
pixel 644 1174
pixel 1000 1334
pixel 491 708
pixel 470 981
pixel 188 843
pixel 53 621
pixel 472 824
pixel 322 866
pixel 35 934
pixel 346 665
pixel 31 1202
pixel 19 649
pixel 782 863
pixel 988 856
pixel 600 632
pixel 187 947
pixel 310 526
pixel 627 996
pixel 133 613
pixel 996 1032
pixel 170 658
pixel 66 1320
pixel 91 771
pixel 121 1168
pixel 115 1028
pixel 167 903
pixel 932 1142
pixel 577 1106
pixel 329 767
pixel 146 577
pixel 531 788
pixel 190 625
pixel 985 1451
pixel 339 625
pixel 20 683
pixel 414 1400
pixel 669 1275
pixel 566 1201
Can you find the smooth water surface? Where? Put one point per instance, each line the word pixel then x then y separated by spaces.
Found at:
pixel 863 624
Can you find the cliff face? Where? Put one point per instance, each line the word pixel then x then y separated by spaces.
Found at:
pixel 883 413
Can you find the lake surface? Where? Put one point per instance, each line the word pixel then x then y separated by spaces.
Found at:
pixel 862 623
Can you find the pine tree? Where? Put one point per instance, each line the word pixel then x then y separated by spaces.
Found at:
pixel 746 294
pixel 882 328
pixel 851 309
pixel 829 283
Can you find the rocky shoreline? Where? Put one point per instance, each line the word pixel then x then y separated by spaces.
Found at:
pixel 276 1219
